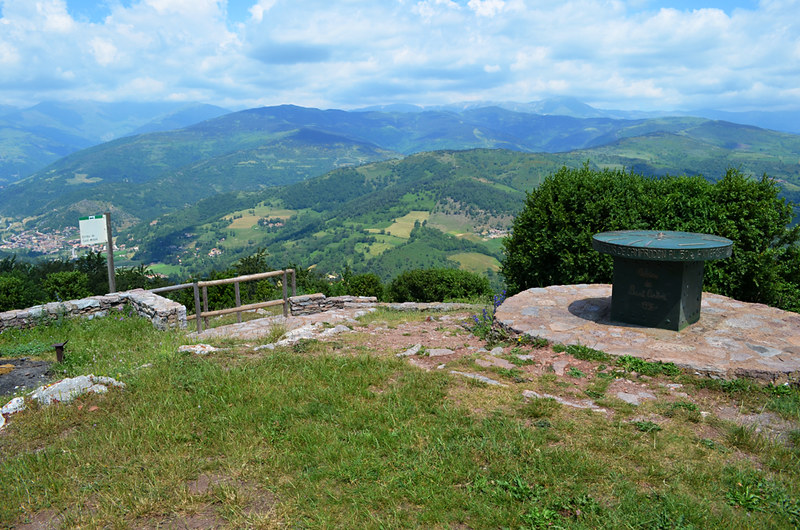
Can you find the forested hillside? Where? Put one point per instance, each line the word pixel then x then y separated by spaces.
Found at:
pixel 445 208
pixel 145 176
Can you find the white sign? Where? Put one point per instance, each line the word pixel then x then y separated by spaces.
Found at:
pixel 93 230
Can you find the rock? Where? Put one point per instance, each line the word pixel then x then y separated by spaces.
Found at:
pixel 635 399
pixel 481 378
pixel 495 361
pixel 413 350
pixel 199 349
pixel 12 407
pixel 560 367
pixel 68 389
pixel 438 352
pixel 334 331
pixel 496 351
pixel 578 404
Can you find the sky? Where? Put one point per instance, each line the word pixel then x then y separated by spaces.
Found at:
pixel 634 55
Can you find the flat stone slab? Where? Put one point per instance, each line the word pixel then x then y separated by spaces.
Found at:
pixel 731 339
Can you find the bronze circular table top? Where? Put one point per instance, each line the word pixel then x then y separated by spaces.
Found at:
pixel 655 245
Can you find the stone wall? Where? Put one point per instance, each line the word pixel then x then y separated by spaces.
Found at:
pixel 163 312
pixel 309 304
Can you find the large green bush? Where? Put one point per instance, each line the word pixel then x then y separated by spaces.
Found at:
pixel 437 285
pixel 67 285
pixel 367 284
pixel 12 292
pixel 551 239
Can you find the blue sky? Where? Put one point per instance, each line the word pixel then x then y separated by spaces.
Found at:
pixel 636 54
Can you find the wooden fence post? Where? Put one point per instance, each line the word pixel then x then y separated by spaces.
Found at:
pixel 285 297
pixel 238 302
pixel 197 307
pixel 205 304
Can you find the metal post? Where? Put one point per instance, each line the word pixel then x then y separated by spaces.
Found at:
pixel 238 301
pixel 285 298
pixel 197 307
pixel 112 283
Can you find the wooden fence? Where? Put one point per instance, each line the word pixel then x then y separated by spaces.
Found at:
pixel 201 295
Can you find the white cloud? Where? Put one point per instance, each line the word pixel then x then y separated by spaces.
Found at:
pixel 260 8
pixel 104 51
pixel 486 8
pixel 355 52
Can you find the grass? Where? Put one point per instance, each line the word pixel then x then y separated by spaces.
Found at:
pixel 315 436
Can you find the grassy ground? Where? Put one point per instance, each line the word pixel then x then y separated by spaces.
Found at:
pixel 336 435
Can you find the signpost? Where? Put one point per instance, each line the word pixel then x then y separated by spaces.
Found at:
pixel 96 230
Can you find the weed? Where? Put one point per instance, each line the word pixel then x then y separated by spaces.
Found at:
pixel 484 326
pixel 745 438
pixel 683 409
pixel 640 366
pixel 519 362
pixel 646 426
pixel 594 394
pixel 539 517
pixel 276 333
pixel 26 349
pixel 710 444
pixel 794 438
pixel 511 373
pixel 528 340
pixel 584 353
pixel 540 408
pixel 785 401
pixel 304 345
pixel 753 492
pixel 574 372
pixel 559 348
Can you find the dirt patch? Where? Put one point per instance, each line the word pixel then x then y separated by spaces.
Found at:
pixel 25 373
pixel 44 520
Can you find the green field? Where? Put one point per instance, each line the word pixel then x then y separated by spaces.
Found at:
pixel 165 269
pixel 402 226
pixel 249 217
pixel 476 262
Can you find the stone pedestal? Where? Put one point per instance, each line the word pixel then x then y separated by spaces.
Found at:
pixel 658 294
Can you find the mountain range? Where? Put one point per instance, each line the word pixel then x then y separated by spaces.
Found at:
pixel 33 137
pixel 370 189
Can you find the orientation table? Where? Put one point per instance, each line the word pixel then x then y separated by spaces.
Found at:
pixel 658 276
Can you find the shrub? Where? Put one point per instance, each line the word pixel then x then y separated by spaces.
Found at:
pixel 368 284
pixel 67 285
pixel 437 285
pixel 551 239
pixel 12 292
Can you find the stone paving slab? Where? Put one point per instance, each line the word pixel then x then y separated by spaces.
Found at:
pixel 731 339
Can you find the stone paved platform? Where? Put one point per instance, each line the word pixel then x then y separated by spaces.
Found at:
pixel 732 339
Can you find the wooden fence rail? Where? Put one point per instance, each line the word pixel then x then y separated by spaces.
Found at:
pixel 202 315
